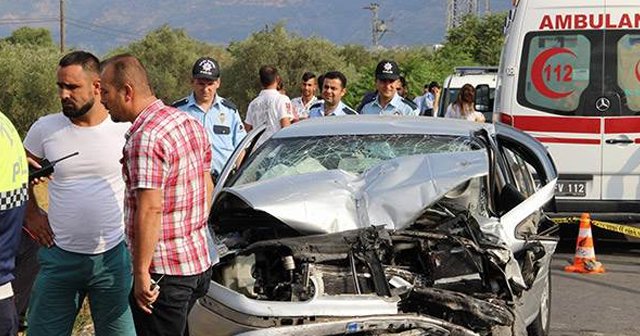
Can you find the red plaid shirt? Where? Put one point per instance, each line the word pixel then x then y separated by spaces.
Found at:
pixel 168 150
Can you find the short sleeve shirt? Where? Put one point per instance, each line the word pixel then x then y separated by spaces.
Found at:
pixel 342 109
pixel 397 106
pixel 301 108
pixel 453 111
pixel 223 125
pixel 86 194
pixel 268 109
pixel 167 149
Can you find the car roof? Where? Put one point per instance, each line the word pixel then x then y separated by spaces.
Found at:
pixel 367 124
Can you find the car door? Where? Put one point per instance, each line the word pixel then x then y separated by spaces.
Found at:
pixel 620 104
pixel 525 223
pixel 521 151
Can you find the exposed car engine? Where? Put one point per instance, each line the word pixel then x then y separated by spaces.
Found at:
pixel 442 266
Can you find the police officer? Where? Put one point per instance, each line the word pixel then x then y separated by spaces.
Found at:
pixel 334 87
pixel 387 101
pixel 13 200
pixel 218 115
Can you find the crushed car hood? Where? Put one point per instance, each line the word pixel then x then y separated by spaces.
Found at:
pixel 392 194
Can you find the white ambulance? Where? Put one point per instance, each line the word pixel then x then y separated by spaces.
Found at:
pixel 570 76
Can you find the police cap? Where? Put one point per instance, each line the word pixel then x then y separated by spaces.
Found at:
pixel 206 68
pixel 387 69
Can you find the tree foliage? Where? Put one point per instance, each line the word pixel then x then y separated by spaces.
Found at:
pixel 28 59
pixel 40 37
pixel 28 85
pixel 291 54
pixel 480 38
pixel 168 55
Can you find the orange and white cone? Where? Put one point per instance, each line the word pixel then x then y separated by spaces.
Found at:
pixel 584 260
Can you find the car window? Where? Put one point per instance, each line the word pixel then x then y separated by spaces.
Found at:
pixel 351 153
pixel 556 71
pixel 449 96
pixel 520 172
pixel 628 70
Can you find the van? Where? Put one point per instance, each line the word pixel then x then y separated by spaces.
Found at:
pixel 569 75
pixel 474 75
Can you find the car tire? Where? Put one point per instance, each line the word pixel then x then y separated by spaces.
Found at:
pixel 540 326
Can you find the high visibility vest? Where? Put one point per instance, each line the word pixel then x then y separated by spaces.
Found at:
pixel 14 172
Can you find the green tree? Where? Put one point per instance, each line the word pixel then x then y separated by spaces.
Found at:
pixel 168 55
pixel 291 54
pixel 31 36
pixel 28 86
pixel 481 38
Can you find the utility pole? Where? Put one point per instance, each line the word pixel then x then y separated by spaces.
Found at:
pixel 378 27
pixel 61 26
pixel 458 9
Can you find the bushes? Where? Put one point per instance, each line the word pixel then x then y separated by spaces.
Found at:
pixel 28 60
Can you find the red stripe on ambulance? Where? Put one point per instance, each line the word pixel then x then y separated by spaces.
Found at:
pixel 622 125
pixel 555 124
pixel 580 141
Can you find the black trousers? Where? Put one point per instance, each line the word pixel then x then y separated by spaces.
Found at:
pixel 177 296
pixel 27 267
pixel 8 317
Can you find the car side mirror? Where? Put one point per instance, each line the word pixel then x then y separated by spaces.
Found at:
pixel 483 99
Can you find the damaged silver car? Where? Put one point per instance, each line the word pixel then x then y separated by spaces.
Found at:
pixel 382 226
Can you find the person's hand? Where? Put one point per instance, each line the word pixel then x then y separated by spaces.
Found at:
pixel 143 293
pixel 480 118
pixel 35 164
pixel 37 225
pixel 436 91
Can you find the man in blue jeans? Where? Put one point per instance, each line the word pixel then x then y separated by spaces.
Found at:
pixel 83 251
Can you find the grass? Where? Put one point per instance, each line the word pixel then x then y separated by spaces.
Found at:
pixel 83 325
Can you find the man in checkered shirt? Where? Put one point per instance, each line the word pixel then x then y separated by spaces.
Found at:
pixel 166 162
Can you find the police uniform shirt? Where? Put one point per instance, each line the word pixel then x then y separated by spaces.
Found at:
pixel 397 106
pixel 317 110
pixel 223 124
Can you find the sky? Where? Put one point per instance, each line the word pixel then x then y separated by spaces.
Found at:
pixel 100 26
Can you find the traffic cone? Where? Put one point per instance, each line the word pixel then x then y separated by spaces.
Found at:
pixel 584 260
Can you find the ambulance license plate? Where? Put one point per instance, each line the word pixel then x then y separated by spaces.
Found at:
pixel 571 188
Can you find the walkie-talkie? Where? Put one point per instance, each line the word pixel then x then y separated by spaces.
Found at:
pixel 47 167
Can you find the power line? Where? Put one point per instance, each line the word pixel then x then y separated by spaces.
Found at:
pixel 26 20
pixel 107 33
pixel 115 31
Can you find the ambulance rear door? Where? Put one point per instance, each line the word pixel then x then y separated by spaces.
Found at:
pixel 561 77
pixel 620 103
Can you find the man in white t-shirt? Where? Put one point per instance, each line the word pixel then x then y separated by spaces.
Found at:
pixel 270 108
pixel 83 251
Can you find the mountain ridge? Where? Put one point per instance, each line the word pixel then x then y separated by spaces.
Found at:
pixel 102 26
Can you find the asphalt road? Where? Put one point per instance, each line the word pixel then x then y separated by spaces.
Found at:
pixel 597 304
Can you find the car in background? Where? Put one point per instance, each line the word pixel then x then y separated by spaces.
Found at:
pixel 474 75
pixel 374 225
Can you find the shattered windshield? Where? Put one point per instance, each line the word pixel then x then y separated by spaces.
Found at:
pixel 351 153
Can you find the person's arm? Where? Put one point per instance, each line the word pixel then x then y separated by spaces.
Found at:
pixel 36 221
pixel 284 111
pixel 208 180
pixel 146 227
pixel 284 122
